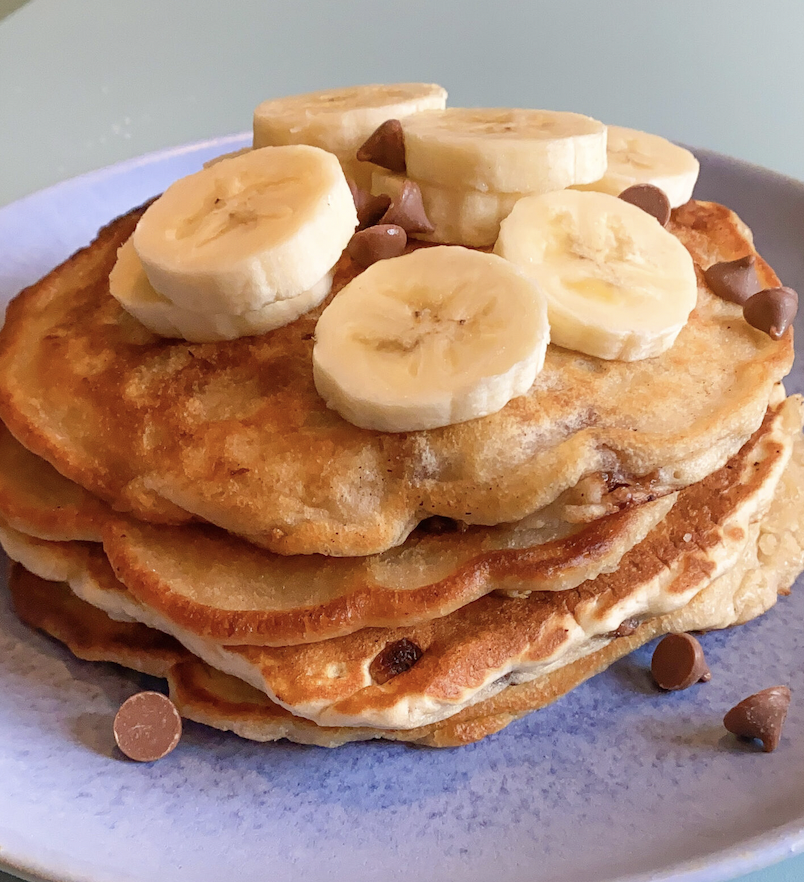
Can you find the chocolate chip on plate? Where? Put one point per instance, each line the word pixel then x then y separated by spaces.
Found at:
pixel 760 716
pixel 734 280
pixel 377 243
pixel 147 726
pixel 385 147
pixel 651 199
pixel 678 662
pixel 771 310
pixel 407 211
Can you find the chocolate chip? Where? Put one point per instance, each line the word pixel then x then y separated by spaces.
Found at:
pixel 771 310
pixel 377 243
pixel 395 659
pixel 650 199
pixel 407 211
pixel 678 662
pixel 385 146
pixel 438 525
pixel 369 208
pixel 147 726
pixel 761 716
pixel 626 628
pixel 734 280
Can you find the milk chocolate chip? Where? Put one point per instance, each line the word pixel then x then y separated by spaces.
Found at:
pixel 395 659
pixel 734 280
pixel 760 716
pixel 771 310
pixel 385 146
pixel 407 211
pixel 147 726
pixel 369 208
pixel 437 525
pixel 377 243
pixel 678 662
pixel 650 199
pixel 626 628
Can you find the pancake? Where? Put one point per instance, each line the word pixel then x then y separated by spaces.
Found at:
pixel 217 586
pixel 767 566
pixel 36 499
pixel 235 434
pixel 88 632
pixel 477 651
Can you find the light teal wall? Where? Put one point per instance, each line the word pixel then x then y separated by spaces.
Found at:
pixel 87 82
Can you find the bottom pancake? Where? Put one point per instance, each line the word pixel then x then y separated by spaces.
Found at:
pixel 772 557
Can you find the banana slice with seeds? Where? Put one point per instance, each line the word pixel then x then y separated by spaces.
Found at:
pixel 618 285
pixel 435 337
pixel 129 285
pixel 641 158
pixel 262 227
pixel 504 150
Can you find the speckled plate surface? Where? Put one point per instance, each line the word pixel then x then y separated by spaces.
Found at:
pixel 614 782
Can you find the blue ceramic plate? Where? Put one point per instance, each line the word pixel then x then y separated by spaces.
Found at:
pixel 614 782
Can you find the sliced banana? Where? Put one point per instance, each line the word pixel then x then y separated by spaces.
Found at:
pixel 505 150
pixel 247 231
pixel 460 216
pixel 618 285
pixel 129 285
pixel 340 120
pixel 435 337
pixel 641 158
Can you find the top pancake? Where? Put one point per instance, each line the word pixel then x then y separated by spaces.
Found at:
pixel 235 433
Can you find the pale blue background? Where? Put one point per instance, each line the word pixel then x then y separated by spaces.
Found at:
pixel 85 83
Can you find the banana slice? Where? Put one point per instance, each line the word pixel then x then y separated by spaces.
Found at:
pixel 618 285
pixel 460 216
pixel 641 158
pixel 129 285
pixel 340 120
pixel 504 150
pixel 435 337
pixel 262 227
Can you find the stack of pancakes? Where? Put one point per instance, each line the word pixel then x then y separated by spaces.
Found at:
pixel 195 511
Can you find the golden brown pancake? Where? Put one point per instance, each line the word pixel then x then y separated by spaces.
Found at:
pixel 235 434
pixel 769 564
pixel 88 632
pixel 36 499
pixel 218 586
pixel 485 646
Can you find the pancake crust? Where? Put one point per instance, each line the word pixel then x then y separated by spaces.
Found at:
pixel 36 499
pixel 235 434
pixel 88 632
pixel 769 564
pixel 493 642
pixel 220 587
